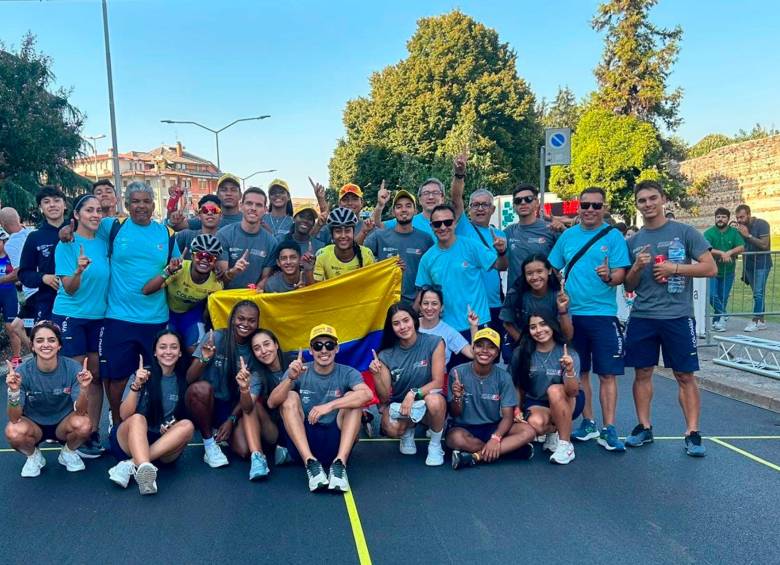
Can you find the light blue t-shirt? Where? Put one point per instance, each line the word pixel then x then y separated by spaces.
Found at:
pixel 140 253
pixel 90 300
pixel 589 295
pixel 420 222
pixel 491 278
pixel 459 270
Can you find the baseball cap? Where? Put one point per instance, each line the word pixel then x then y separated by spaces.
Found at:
pixel 323 329
pixel 4 235
pixel 298 208
pixel 229 177
pixel 404 194
pixel 488 334
pixel 350 188
pixel 280 183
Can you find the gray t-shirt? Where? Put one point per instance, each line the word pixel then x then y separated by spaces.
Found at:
pixel 454 342
pixel 215 373
pixel 227 219
pixel 409 246
pixel 184 241
pixel 411 367
pixel 276 283
pixel 47 398
pixel 235 241
pixel 529 303
pixel 170 397
pixel 484 397
pixel 652 298
pixel 522 241
pixel 280 225
pixel 316 389
pixel 545 370
pixel 264 380
pixel 758 228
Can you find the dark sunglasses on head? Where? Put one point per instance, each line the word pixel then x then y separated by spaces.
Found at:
pixel 210 210
pixel 523 200
pixel 204 256
pixel 319 345
pixel 439 223
pixel 594 205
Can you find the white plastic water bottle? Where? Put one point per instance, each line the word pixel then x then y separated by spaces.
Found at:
pixel 676 254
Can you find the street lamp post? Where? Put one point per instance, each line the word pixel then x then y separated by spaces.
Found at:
pixel 244 179
pixel 115 153
pixel 94 138
pixel 216 132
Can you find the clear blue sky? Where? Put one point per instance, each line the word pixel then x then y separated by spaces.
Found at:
pixel 300 61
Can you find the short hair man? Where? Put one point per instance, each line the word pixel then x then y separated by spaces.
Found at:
pixel 757 261
pixel 726 243
pixel 210 216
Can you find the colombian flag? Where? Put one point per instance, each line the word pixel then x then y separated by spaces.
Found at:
pixel 355 304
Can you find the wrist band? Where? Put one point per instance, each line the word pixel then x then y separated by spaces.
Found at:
pixel 496 437
pixel 418 394
pixel 459 176
pixel 135 388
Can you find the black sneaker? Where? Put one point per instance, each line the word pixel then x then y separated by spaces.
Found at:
pixel 91 449
pixel 317 477
pixel 462 459
pixel 693 446
pixel 640 435
pixel 338 477
pixel 526 453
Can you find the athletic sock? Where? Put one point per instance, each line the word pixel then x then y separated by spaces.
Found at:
pixel 209 441
pixel 409 433
pixel 436 437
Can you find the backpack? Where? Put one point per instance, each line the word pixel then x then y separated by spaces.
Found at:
pixel 117 225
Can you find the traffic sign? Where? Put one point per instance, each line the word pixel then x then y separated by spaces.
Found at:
pixel 557 146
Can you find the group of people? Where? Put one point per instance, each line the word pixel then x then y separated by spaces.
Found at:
pixel 120 309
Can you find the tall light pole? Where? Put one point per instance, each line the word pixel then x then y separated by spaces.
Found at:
pixel 216 132
pixel 94 138
pixel 244 179
pixel 115 152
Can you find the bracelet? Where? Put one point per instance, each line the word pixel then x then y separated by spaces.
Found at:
pixel 418 393
pixel 569 376
pixel 676 268
pixel 243 389
pixel 496 437
pixel 459 176
pixel 134 389
pixel 204 361
pixel 233 418
pixel 457 399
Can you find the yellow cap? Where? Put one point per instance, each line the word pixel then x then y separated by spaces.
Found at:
pixel 350 188
pixel 323 329
pixel 280 183
pixel 229 177
pixel 298 208
pixel 489 334
pixel 404 194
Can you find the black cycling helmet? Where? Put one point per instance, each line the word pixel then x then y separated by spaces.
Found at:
pixel 206 242
pixel 342 217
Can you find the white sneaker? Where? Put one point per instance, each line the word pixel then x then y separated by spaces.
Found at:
pixel 34 464
pixel 121 472
pixel 551 442
pixel 540 439
pixel 564 453
pixel 761 325
pixel 213 456
pixel 146 477
pixel 70 460
pixel 435 455
pixel 719 326
pixel 407 445
pixel 751 327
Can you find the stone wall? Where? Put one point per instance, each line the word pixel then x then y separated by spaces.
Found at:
pixel 747 172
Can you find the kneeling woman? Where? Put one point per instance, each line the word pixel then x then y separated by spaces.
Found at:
pixel 152 427
pixel 409 375
pixel 546 374
pixel 47 400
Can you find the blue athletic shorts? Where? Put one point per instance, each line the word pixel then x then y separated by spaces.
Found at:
pixel 579 404
pixel 9 303
pixel 676 338
pixel 120 344
pixel 599 343
pixel 323 440
pixel 480 431
pixel 79 335
pixel 188 324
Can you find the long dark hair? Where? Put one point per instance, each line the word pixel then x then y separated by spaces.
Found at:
pixel 154 386
pixel 521 359
pixel 231 348
pixel 522 285
pixel 389 339
pixel 256 365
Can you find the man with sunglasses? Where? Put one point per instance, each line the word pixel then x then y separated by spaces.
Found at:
pixel 457 264
pixel 530 235
pixel 209 214
pixel 229 195
pixel 321 404
pixel 590 283
pixel 189 284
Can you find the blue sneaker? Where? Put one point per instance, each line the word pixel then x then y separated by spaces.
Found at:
pixel 586 431
pixel 258 468
pixel 693 446
pixel 608 439
pixel 640 435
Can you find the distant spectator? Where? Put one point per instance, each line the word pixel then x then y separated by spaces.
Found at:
pixel 757 261
pixel 726 244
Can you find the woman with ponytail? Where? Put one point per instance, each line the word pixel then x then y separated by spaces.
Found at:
pixel 344 254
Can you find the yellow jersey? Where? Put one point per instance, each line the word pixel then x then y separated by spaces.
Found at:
pixel 328 266
pixel 183 293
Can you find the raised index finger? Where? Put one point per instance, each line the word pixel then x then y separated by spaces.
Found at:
pixel 140 362
pixel 242 362
pixel 376 358
pixel 84 367
pixel 11 370
pixel 245 255
pixel 565 350
pixel 300 355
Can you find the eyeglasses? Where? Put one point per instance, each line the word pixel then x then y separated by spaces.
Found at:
pixel 523 200
pixel 320 345
pixel 478 205
pixel 439 223
pixel 428 193
pixel 210 210
pixel 594 205
pixel 204 256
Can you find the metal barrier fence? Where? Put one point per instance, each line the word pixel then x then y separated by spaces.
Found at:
pixel 751 288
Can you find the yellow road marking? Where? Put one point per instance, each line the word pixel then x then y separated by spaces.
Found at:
pixel 746 454
pixel 357 529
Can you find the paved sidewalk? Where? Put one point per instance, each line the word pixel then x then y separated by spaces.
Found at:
pixel 754 389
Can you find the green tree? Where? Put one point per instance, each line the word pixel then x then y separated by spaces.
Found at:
pixel 708 143
pixel 39 127
pixel 563 112
pixel 636 64
pixel 458 88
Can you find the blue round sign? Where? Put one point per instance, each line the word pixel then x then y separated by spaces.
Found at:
pixel 557 140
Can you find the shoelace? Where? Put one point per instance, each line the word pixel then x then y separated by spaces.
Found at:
pixel 638 430
pixel 695 438
pixel 314 468
pixel 338 468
